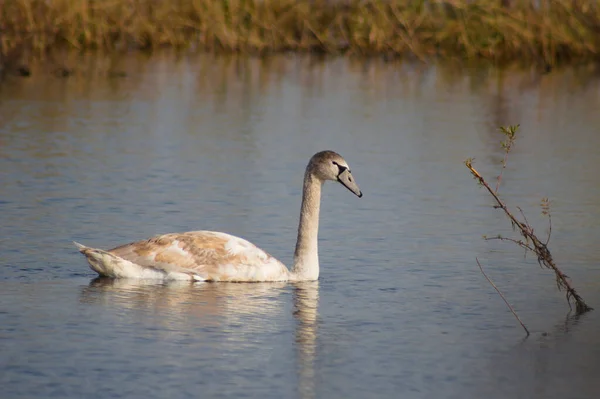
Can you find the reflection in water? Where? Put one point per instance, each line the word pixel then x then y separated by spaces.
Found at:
pixel 220 143
pixel 247 306
pixel 547 364
pixel 205 304
pixel 306 303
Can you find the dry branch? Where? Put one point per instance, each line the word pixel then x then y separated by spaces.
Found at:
pixel 532 242
pixel 502 296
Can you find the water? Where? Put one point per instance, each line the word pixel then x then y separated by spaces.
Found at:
pixel 401 309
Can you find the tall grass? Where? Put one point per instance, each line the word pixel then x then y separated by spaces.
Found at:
pixel 550 32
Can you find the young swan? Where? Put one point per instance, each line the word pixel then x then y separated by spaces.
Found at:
pixel 214 256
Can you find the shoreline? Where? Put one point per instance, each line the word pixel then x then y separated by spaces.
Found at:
pixel 555 32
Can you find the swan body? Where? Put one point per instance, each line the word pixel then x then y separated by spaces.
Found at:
pixel 216 256
pixel 194 255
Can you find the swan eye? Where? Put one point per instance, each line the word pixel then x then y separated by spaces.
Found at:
pixel 341 168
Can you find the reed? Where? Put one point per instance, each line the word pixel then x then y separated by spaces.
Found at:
pixel 550 32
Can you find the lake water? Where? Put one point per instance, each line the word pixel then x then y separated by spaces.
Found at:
pixel 133 147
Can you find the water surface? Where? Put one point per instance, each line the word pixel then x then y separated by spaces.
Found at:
pixel 401 309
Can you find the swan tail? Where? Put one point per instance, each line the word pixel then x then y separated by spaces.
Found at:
pixel 104 263
pixel 107 264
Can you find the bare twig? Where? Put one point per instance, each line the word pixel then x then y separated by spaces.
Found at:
pixel 524 218
pixel 507 145
pixel 546 211
pixel 502 296
pixel 518 242
pixel 549 229
pixel 541 250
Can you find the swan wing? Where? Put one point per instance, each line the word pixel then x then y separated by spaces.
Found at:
pixel 207 255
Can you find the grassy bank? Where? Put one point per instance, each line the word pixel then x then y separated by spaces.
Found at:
pixel 554 31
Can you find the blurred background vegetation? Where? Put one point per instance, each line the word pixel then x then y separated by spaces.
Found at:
pixel 544 31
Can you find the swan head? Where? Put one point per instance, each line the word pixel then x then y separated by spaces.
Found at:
pixel 329 165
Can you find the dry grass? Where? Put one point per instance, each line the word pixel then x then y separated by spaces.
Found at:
pixel 555 31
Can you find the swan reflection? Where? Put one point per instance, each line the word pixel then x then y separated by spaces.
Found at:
pixel 237 317
pixel 306 301
pixel 186 305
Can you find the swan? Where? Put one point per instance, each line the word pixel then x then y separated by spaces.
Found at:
pixel 216 256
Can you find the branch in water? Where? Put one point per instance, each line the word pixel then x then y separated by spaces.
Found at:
pixel 532 242
pixel 503 298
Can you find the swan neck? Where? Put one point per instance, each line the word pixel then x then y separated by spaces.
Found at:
pixel 306 257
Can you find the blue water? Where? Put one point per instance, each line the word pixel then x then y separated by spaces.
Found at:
pixel 400 310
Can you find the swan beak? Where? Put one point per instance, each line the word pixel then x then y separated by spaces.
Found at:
pixel 348 181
